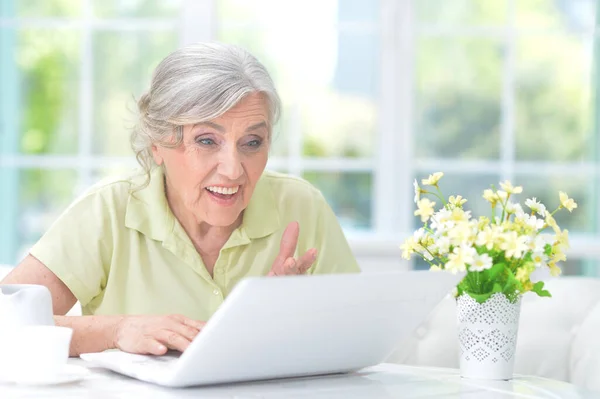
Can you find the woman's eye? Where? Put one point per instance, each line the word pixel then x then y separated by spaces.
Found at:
pixel 254 143
pixel 205 141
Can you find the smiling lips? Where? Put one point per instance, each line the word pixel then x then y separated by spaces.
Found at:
pixel 223 190
pixel 223 195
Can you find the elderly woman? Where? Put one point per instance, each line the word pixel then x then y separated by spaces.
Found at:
pixel 152 256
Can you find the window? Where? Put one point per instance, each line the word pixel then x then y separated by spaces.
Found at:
pixel 375 92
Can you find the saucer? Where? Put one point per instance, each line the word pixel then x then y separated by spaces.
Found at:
pixel 67 374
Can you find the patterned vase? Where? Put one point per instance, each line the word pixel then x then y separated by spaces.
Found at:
pixel 487 335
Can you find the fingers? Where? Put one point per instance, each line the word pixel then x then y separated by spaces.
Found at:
pixel 156 334
pixel 172 340
pixel 292 266
pixel 184 327
pixel 150 346
pixel 306 260
pixel 198 325
pixel 287 247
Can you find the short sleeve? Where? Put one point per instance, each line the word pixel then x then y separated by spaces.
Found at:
pixel 77 248
pixel 334 253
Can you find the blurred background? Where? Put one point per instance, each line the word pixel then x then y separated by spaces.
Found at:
pixel 376 93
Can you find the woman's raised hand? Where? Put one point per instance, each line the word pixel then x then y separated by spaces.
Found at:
pixel 285 263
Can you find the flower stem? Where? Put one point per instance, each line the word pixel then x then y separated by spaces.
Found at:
pixel 441 196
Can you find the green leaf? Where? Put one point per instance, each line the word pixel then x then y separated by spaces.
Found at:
pixel 481 298
pixel 512 284
pixel 495 271
pixel 538 288
pixel 497 288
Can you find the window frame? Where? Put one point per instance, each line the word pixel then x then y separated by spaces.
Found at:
pixel 392 168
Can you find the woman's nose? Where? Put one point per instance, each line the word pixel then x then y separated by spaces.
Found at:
pixel 230 165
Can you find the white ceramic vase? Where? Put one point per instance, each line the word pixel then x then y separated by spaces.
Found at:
pixel 487 335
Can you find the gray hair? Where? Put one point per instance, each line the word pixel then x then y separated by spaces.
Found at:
pixel 195 84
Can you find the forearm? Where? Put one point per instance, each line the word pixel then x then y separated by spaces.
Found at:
pixel 90 333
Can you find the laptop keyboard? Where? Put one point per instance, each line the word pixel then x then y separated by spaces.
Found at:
pixel 144 363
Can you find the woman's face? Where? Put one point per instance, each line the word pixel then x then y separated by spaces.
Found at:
pixel 212 174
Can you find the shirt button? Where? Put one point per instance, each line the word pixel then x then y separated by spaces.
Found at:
pixel 216 291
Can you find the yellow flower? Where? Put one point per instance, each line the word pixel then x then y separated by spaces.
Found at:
pixel 557 254
pixel 508 187
pixel 554 270
pixel 408 248
pixel 490 196
pixel 562 239
pixel 566 202
pixel 483 221
pixel 458 259
pixel 514 245
pixel 460 233
pixel 552 223
pixel 486 237
pixel 433 179
pixel 503 195
pixel 457 201
pixel 425 209
pixel 523 274
pixel 458 215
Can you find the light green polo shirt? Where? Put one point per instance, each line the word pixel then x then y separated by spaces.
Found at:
pixel 123 252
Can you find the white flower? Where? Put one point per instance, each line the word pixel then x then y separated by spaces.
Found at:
pixel 540 241
pixel 419 235
pixel 440 220
pixel 539 258
pixel 442 245
pixel 534 222
pixel 515 208
pixel 536 206
pixel 481 262
pixel 417 191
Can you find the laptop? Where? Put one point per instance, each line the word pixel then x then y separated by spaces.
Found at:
pixel 295 326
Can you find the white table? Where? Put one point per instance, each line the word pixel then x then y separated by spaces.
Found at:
pixel 382 381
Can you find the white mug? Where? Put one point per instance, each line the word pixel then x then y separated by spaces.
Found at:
pixel 33 352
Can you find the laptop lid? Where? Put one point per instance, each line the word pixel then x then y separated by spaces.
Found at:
pixel 308 325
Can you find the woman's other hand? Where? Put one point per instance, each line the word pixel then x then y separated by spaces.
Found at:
pixel 154 335
pixel 285 263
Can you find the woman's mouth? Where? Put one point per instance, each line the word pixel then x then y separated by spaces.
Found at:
pixel 223 195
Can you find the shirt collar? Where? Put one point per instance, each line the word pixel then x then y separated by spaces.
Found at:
pixel 261 217
pixel 147 207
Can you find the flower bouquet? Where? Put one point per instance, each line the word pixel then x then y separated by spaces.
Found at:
pixel 498 254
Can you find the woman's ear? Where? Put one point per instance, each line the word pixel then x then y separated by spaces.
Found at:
pixel 157 154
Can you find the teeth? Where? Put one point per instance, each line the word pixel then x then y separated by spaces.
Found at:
pixel 223 190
